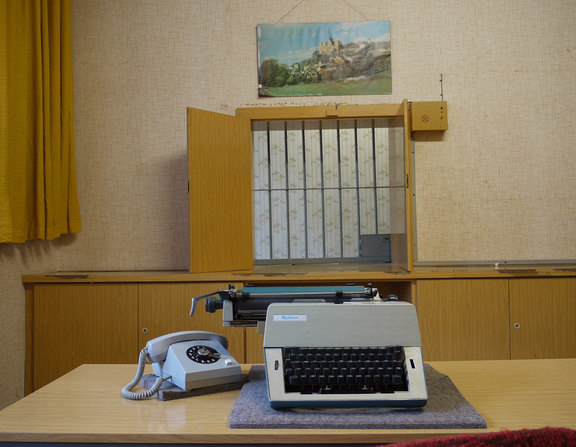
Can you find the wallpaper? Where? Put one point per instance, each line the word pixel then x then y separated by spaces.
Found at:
pixel 497 185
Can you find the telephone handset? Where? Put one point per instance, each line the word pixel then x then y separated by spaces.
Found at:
pixel 189 360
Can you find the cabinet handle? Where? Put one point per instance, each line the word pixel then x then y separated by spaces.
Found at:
pixel 516 325
pixel 144 330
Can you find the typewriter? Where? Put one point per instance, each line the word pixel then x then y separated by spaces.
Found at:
pixel 331 346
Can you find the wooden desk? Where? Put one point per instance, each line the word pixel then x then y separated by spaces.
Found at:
pixel 86 406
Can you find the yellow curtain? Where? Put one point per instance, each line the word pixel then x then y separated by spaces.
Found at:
pixel 38 193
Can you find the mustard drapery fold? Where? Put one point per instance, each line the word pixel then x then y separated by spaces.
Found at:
pixel 38 192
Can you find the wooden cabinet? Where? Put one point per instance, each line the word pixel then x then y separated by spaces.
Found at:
pixel 81 323
pixel 464 319
pixel 220 180
pixel 103 318
pixel 543 318
pixel 518 318
pixel 98 320
pixel 165 308
pixel 110 323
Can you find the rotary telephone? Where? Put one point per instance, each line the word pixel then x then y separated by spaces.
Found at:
pixel 189 360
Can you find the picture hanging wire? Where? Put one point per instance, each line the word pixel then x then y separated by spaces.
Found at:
pixel 344 1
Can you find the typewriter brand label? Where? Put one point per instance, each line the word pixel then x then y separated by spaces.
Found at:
pixel 289 317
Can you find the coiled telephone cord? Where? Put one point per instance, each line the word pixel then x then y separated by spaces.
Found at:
pixel 126 391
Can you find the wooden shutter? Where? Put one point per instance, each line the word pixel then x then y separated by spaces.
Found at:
pixel 220 196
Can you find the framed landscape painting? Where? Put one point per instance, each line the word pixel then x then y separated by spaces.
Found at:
pixel 337 58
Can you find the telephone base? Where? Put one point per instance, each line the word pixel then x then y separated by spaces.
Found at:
pixel 169 391
pixel 195 364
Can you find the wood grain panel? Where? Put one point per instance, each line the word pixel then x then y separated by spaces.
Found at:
pixel 254 346
pixel 464 319
pixel 220 195
pixel 165 308
pixel 83 323
pixel 29 342
pixel 318 112
pixel 544 310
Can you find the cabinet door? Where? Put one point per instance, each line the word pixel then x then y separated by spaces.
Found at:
pixel 220 196
pixel 543 317
pixel 82 323
pixel 165 308
pixel 464 319
pixel 254 346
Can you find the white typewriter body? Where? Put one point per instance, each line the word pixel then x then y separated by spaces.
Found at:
pixel 338 317
pixel 369 323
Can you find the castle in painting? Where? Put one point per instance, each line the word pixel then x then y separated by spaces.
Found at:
pixel 332 46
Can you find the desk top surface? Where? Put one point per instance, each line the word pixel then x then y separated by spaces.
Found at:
pixel 85 405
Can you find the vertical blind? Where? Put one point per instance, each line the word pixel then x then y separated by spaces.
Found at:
pixel 318 186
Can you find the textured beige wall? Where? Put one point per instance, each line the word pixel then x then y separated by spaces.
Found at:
pixel 499 184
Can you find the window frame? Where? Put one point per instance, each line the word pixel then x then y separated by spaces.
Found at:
pixel 220 181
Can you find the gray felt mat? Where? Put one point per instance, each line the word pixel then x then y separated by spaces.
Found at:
pixel 446 409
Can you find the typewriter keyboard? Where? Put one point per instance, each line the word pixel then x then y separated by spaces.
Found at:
pixel 344 370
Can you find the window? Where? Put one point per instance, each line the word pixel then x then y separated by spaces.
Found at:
pixel 322 189
pixel 226 205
